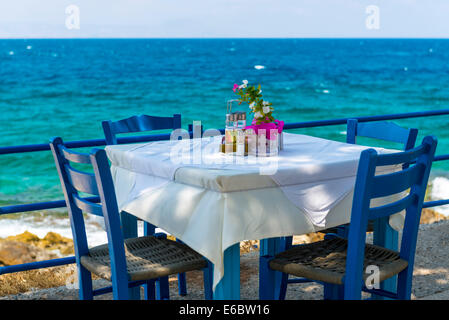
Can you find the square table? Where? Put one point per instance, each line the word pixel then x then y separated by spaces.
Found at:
pixel 212 201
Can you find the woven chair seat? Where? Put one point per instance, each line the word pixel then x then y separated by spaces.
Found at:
pixel 146 258
pixel 326 261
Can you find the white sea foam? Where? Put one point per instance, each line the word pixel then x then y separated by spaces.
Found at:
pixel 29 47
pixel 40 226
pixel 440 191
pixel 259 67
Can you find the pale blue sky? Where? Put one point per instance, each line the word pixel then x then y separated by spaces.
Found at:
pixel 224 18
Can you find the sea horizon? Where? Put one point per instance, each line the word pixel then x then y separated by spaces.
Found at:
pixel 224 38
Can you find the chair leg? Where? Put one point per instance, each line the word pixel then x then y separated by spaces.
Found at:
pixel 267 279
pixel 283 286
pixel 352 292
pixel 404 284
pixel 333 291
pixel 85 284
pixel 120 291
pixel 286 243
pixel 150 286
pixel 150 290
pixel 162 289
pixel 182 282
pixel 208 274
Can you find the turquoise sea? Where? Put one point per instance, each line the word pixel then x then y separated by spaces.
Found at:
pixel 67 87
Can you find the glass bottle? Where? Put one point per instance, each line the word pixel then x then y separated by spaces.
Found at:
pixel 240 133
pixel 230 132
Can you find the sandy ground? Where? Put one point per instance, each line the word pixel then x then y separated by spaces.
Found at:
pixel 431 275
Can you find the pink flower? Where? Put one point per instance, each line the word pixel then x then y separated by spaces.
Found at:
pixel 236 86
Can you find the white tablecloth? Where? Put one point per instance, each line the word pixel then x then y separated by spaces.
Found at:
pixel 211 202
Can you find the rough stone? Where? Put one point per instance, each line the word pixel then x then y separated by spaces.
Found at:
pixel 15 252
pixel 429 216
pixel 51 241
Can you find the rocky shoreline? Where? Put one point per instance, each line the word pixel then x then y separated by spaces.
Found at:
pixel 431 274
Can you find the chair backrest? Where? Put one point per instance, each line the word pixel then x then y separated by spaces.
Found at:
pixel 381 130
pixel 99 183
pixel 138 124
pixel 411 180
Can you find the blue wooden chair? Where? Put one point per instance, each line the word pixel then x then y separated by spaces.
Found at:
pixel 140 123
pixel 341 264
pixel 381 130
pixel 144 123
pixel 384 131
pixel 127 263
